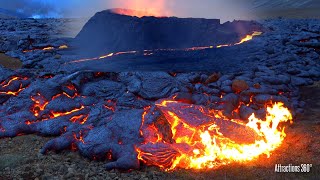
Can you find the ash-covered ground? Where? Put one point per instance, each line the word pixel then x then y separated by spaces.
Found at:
pixel 278 63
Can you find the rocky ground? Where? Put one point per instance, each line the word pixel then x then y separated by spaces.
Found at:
pixel 9 62
pixel 302 145
pixel 283 67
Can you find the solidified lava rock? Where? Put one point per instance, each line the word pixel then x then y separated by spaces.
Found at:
pixel 110 32
pixel 239 85
pixel 109 115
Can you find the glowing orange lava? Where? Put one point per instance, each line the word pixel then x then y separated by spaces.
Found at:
pixel 40 104
pixel 49 48
pixel 5 84
pixel 249 37
pixel 80 118
pixel 80 138
pixel 141 8
pixel 136 13
pixel 151 52
pixel 58 114
pixel 207 146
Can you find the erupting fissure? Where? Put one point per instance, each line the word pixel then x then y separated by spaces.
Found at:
pixel 150 52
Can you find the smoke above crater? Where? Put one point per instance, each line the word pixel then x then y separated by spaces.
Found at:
pixel 34 8
pixel 223 9
pixel 226 10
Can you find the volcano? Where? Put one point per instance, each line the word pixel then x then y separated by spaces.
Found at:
pixel 118 30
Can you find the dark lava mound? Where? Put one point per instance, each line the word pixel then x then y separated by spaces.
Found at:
pixel 108 32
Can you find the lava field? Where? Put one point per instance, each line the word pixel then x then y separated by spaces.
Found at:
pixel 188 104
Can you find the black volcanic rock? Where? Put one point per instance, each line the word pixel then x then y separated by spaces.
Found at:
pixel 108 32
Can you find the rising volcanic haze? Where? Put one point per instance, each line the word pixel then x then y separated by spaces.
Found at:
pixel 223 9
pixel 32 8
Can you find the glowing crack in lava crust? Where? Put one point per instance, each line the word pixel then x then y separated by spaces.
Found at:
pixel 150 52
pixel 13 86
pixel 202 141
pixel 167 133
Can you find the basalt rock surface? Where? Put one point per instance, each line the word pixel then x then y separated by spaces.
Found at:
pixel 107 115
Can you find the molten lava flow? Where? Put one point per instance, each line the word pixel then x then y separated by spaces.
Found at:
pixel 63 47
pixel 13 93
pixel 111 105
pixel 81 119
pixel 48 48
pixel 245 39
pixel 5 86
pixel 40 104
pixel 223 45
pixel 201 144
pixel 58 114
pixel 151 52
pixel 79 137
pixel 249 37
pixel 104 56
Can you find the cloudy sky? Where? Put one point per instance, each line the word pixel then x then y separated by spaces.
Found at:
pixel 224 9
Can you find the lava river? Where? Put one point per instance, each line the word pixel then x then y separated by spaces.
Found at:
pixel 150 52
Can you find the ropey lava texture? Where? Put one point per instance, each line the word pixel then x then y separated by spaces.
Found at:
pixel 114 115
pixel 118 116
pixel 95 117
